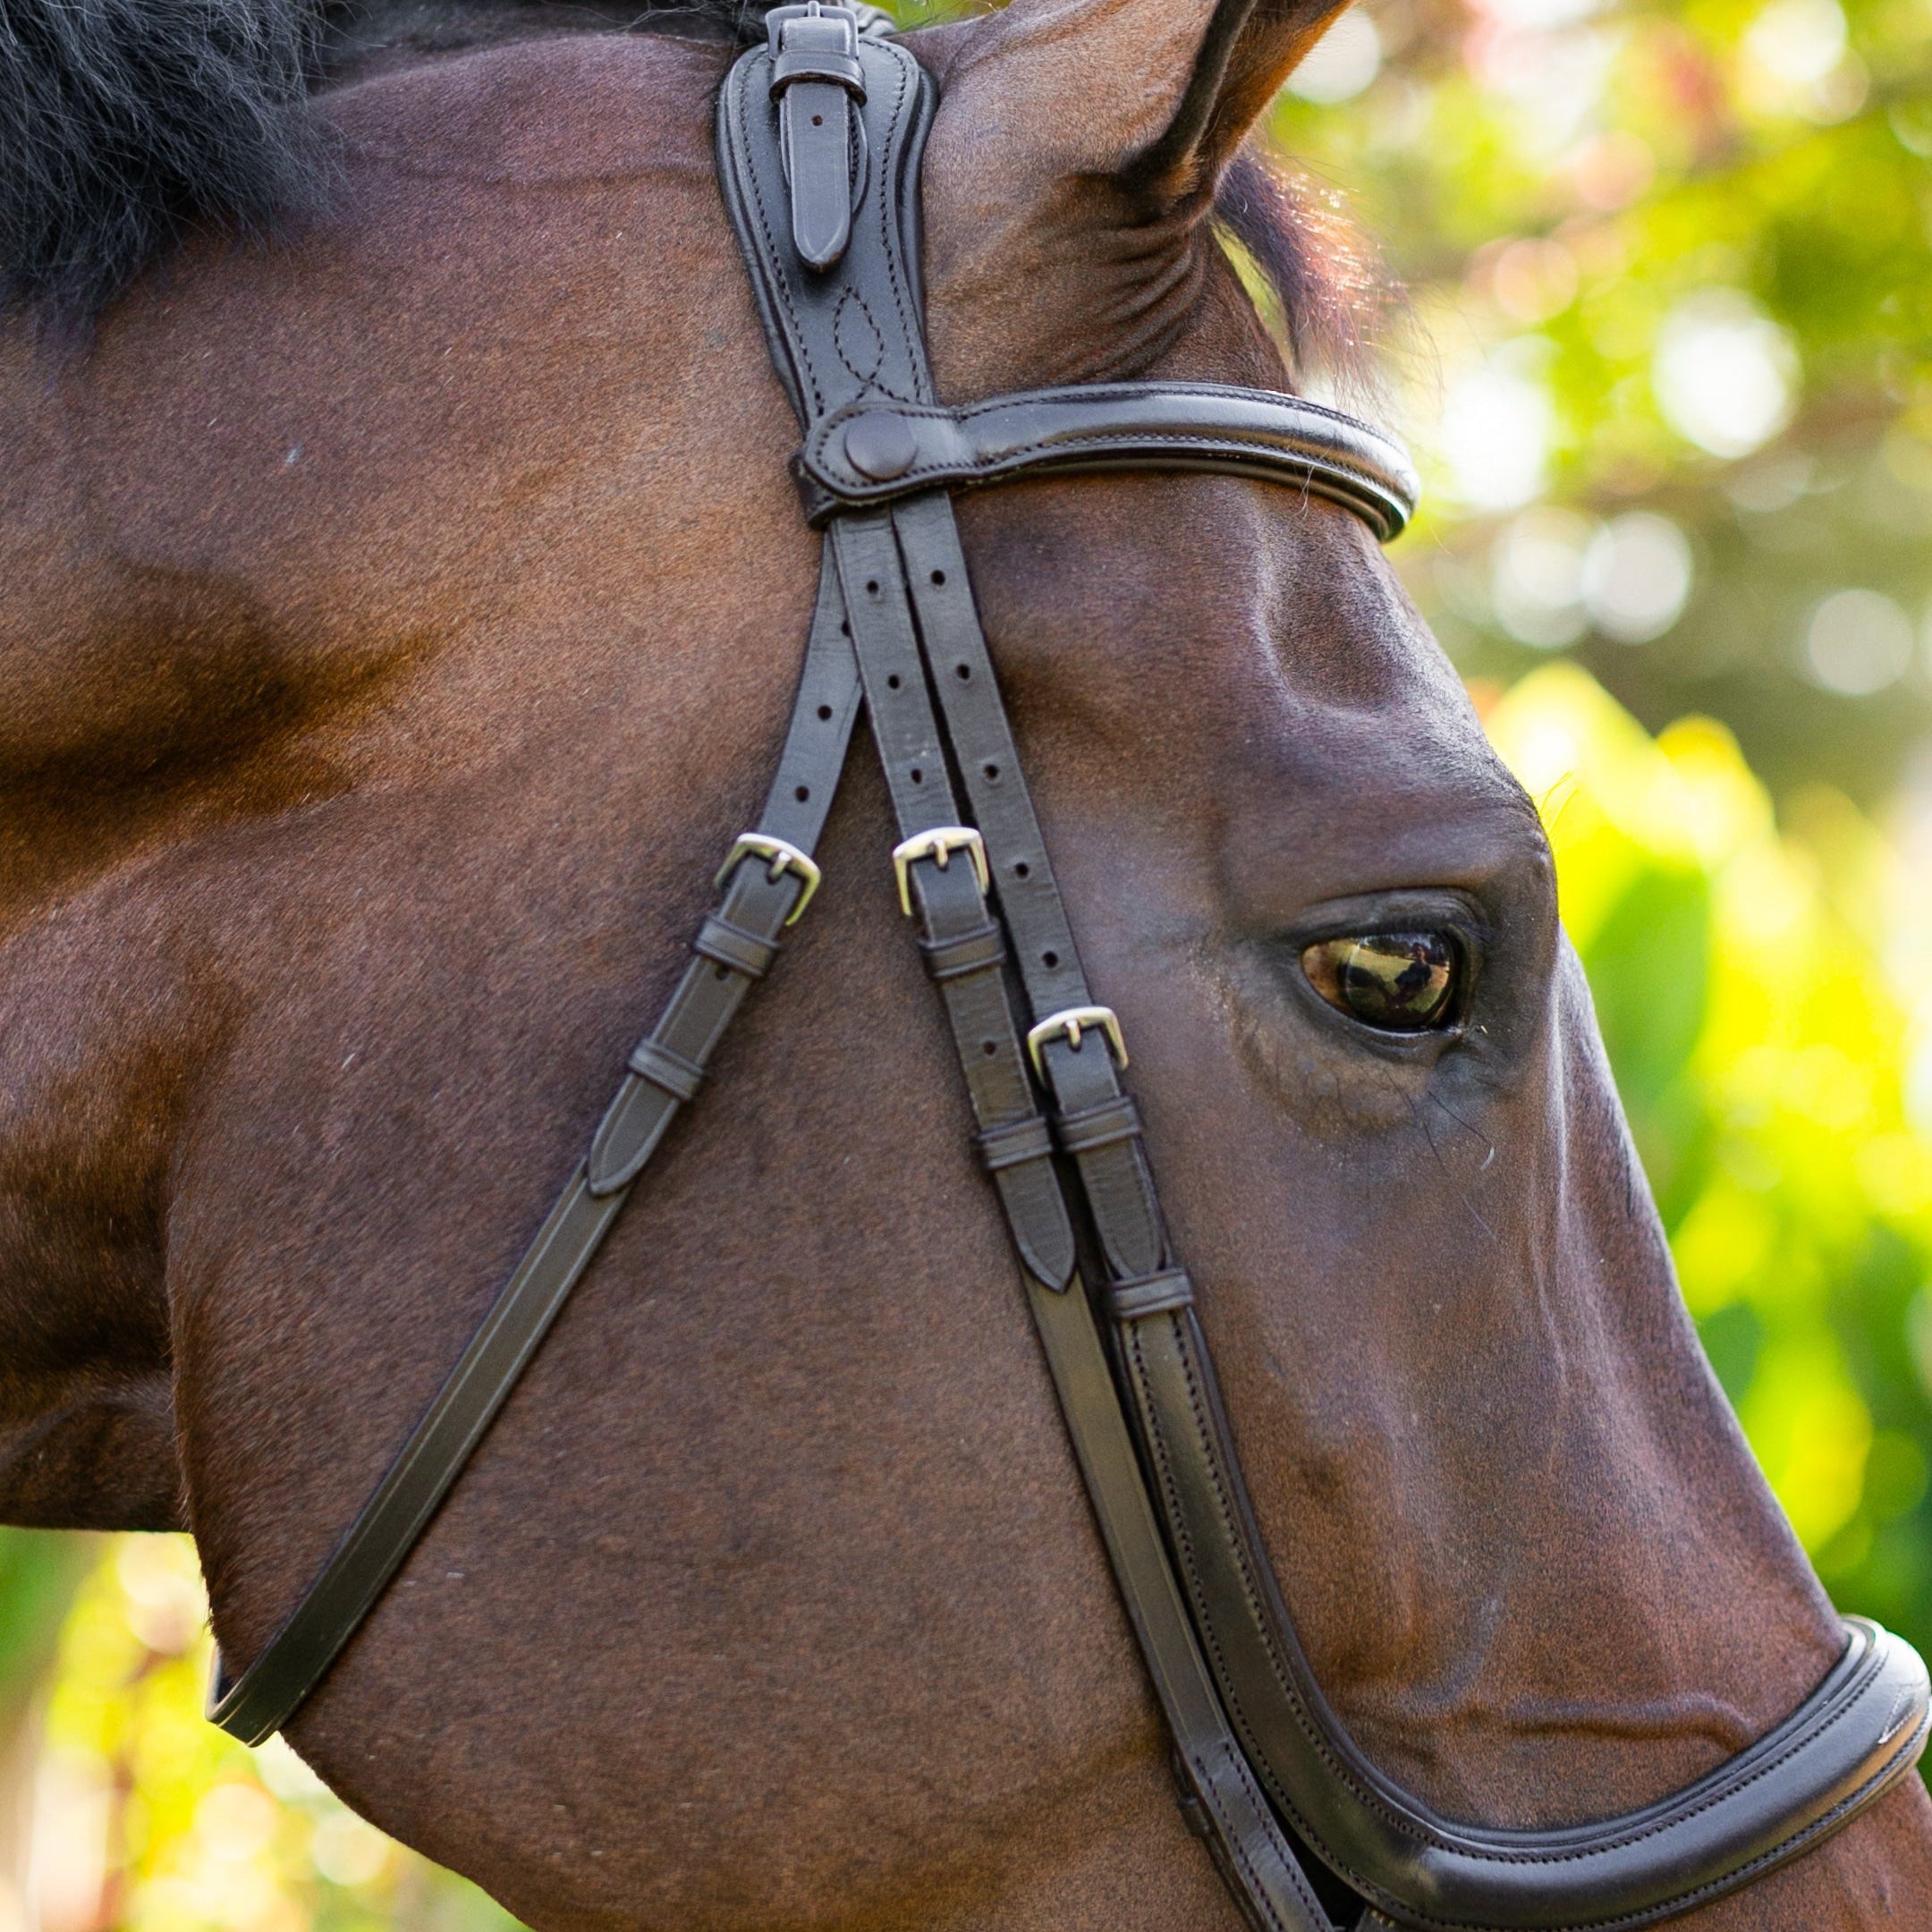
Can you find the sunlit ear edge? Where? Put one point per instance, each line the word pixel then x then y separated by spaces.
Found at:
pixel 1248 51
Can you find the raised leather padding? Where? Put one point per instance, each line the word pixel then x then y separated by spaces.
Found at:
pixel 1861 1728
pixel 1114 426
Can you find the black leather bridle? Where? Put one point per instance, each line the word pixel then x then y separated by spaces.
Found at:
pixel 819 139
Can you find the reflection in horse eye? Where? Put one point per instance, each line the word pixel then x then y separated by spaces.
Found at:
pixel 1401 982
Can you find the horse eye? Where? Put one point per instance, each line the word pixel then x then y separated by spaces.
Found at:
pixel 1402 982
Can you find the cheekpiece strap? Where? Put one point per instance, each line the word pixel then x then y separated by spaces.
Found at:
pixel 819 134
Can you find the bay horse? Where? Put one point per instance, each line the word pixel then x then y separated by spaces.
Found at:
pixel 394 621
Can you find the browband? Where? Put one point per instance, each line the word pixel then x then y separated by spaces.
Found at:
pixel 820 138
pixel 876 451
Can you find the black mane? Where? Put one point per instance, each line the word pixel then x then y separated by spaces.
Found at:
pixel 127 124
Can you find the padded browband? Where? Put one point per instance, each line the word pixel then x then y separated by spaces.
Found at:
pixel 876 451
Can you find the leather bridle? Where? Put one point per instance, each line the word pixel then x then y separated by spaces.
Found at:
pixel 820 139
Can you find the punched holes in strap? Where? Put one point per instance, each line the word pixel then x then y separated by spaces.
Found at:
pixel 1090 1129
pixel 731 945
pixel 973 952
pixel 1149 1294
pixel 679 1077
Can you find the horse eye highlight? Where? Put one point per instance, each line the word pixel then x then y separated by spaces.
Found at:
pixel 1402 982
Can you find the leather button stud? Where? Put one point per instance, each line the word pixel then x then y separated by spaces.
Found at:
pixel 881 446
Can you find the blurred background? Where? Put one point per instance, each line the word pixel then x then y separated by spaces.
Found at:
pixel 1668 369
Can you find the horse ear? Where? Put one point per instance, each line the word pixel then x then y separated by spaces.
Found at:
pixel 1072 172
pixel 1157 94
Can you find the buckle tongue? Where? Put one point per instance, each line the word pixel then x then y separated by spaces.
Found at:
pixel 939 845
pixel 785 857
pixel 1070 1023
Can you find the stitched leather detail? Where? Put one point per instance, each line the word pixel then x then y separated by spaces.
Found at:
pixel 1131 425
pixel 731 945
pixel 664 1068
pixel 1095 1127
pixel 801 311
pixel 973 952
pixel 1014 1143
pixel 1151 1294
pixel 841 309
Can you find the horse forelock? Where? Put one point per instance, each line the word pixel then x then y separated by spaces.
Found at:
pixel 772 1600
pixel 126 125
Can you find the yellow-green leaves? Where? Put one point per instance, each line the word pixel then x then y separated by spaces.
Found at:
pixel 1755 989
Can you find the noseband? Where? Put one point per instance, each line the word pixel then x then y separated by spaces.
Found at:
pixel 819 139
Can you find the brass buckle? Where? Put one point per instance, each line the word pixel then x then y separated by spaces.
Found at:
pixel 938 845
pixel 785 857
pixel 1070 1022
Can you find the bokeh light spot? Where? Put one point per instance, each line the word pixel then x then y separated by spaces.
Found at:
pixel 1857 642
pixel 1725 375
pixel 1797 41
pixel 1496 431
pixel 1342 62
pixel 1636 576
pixel 1536 576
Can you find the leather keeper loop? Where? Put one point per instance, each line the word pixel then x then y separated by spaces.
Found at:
pixel 812 64
pixel 1151 1294
pixel 731 945
pixel 678 1076
pixel 1096 1127
pixel 973 952
pixel 1013 1144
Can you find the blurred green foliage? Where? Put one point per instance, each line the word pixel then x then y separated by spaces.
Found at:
pixel 39 1571
pixel 1674 261
pixel 144 1818
pixel 1747 978
pixel 1670 374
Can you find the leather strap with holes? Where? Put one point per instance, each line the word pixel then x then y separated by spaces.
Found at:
pixel 889 444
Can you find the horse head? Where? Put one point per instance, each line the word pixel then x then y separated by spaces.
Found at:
pixel 398 625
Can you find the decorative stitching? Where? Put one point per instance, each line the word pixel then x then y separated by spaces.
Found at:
pixel 1077 443
pixel 910 329
pixel 1319 469
pixel 777 281
pixel 849 300
pixel 1238 1544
